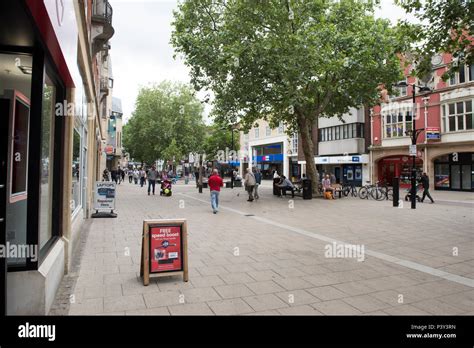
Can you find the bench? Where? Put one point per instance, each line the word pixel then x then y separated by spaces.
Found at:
pixel 337 189
pixel 298 189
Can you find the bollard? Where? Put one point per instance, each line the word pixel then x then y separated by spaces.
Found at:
pixel 396 191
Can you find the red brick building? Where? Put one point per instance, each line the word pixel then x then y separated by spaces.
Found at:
pixel 445 147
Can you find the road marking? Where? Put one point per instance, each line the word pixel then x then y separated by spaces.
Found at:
pixel 388 258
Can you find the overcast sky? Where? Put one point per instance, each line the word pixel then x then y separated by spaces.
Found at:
pixel 141 50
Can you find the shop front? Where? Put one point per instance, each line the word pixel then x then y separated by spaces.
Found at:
pixel 347 169
pixel 398 166
pixel 43 150
pixel 268 158
pixel 454 172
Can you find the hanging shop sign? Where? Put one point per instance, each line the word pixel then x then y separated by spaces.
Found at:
pixel 164 249
pixel 433 133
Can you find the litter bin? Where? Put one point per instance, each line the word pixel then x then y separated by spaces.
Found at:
pixel 307 189
pixel 276 189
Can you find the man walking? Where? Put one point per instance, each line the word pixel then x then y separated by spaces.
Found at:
pixel 142 176
pixel 152 175
pixel 249 183
pixel 215 183
pixel 114 175
pixel 258 181
pixel 425 182
pixel 130 175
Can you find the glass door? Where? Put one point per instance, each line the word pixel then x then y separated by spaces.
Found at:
pixel 466 173
pixel 455 177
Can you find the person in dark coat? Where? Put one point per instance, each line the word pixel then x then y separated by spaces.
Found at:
pixel 425 182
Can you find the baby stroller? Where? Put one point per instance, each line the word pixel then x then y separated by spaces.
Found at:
pixel 419 190
pixel 165 188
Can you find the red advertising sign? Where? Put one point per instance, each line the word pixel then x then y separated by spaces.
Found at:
pixel 165 249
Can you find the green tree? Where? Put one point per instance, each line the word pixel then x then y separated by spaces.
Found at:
pixel 290 61
pixel 446 26
pixel 219 138
pixel 167 122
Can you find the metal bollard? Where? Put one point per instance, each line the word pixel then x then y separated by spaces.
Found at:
pixel 396 191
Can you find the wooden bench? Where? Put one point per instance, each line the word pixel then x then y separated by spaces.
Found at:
pixel 337 189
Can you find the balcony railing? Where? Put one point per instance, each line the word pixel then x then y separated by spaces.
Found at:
pixel 102 10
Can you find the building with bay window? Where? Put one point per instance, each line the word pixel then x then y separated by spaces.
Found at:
pixel 445 146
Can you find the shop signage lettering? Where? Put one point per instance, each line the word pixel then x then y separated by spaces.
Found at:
pixel 164 249
pixel 104 195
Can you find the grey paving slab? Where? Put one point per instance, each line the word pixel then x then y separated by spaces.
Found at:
pixel 233 291
pixel 282 251
pixel 232 306
pixel 261 303
pixel 191 309
pixel 123 303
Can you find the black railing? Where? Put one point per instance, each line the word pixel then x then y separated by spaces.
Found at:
pixel 103 10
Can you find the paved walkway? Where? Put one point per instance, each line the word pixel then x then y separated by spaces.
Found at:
pixel 271 257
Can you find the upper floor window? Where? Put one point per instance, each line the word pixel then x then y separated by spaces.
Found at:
pixel 257 132
pixel 268 131
pixel 397 124
pixel 400 91
pixel 280 128
pixel 294 143
pixel 457 116
pixel 346 131
pixel 464 74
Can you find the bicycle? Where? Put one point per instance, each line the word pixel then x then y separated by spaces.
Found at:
pixel 386 191
pixel 375 191
pixel 349 189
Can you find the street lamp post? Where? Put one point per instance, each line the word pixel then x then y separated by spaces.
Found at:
pixel 232 174
pixel 414 135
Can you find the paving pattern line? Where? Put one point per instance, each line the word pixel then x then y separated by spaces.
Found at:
pixel 388 258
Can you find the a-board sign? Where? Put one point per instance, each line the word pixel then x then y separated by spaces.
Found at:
pixel 104 198
pixel 164 249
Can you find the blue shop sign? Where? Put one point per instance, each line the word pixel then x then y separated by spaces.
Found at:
pixel 269 158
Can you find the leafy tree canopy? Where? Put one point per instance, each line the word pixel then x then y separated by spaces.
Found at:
pixel 167 122
pixel 446 26
pixel 290 61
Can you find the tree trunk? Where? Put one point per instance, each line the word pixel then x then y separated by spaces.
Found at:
pixel 308 151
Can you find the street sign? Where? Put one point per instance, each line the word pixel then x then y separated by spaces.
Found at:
pixel 432 133
pixel 164 249
pixel 412 150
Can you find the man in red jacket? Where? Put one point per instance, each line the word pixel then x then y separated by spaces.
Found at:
pixel 215 183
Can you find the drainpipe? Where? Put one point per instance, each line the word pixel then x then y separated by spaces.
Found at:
pixel 371 167
pixel 425 157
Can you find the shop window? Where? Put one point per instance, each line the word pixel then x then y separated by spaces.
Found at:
pixel 76 172
pixel 442 175
pixel 47 161
pixel 15 89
